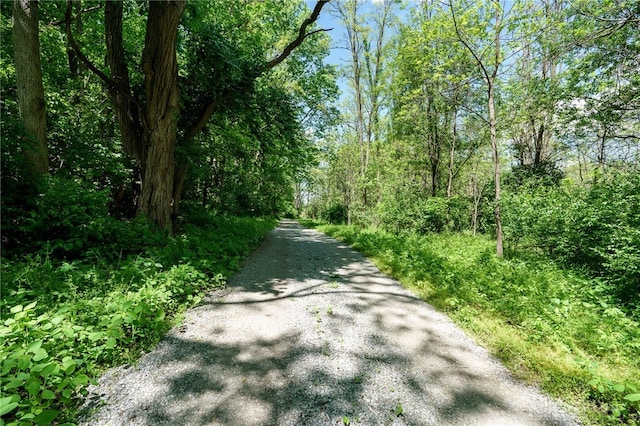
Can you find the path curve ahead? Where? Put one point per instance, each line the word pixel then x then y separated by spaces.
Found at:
pixel 309 332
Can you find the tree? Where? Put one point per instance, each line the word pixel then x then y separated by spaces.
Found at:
pixel 601 98
pixel 149 123
pixel 533 92
pixel 30 90
pixel 369 54
pixel 433 88
pixel 489 68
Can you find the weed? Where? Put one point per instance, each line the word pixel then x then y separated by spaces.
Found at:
pixel 326 349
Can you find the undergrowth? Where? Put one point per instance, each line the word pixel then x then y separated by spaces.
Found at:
pixel 550 326
pixel 66 320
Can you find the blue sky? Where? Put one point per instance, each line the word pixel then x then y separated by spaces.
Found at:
pixel 339 54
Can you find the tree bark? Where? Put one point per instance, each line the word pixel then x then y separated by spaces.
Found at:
pixel 149 130
pixel 159 63
pixel 493 128
pixel 30 89
pixel 496 167
pixel 126 111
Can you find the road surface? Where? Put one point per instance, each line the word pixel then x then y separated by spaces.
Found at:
pixel 309 332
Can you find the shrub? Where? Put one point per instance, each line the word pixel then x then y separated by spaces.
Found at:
pixel 336 214
pixel 64 321
pixel 596 227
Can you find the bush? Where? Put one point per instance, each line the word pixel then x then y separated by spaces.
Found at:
pixel 336 214
pixel 65 321
pixel 596 227
pixel 424 215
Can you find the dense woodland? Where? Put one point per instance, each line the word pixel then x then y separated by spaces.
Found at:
pixel 487 153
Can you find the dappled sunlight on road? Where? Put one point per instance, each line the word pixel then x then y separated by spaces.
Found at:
pixel 310 331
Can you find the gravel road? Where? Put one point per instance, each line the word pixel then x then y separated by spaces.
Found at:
pixel 309 332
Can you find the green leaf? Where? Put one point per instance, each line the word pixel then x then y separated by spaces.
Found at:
pixel 14 383
pixel 46 417
pixel 16 309
pixel 633 397
pixel 33 387
pixel 50 369
pixel 96 336
pixel 34 346
pixel 399 410
pixel 81 379
pixel 8 403
pixel 619 387
pixel 40 354
pixel 111 343
pixel 48 394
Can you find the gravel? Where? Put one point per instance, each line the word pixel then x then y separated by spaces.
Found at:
pixel 309 332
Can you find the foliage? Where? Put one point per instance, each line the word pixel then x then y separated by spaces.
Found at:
pixel 597 228
pixel 543 173
pixel 534 315
pixel 68 219
pixel 65 321
pixel 336 214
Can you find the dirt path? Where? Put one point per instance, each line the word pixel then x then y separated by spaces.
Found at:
pixel 310 332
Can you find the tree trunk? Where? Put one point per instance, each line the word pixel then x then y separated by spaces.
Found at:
pixel 30 89
pixel 496 167
pixel 149 131
pixel 126 111
pixel 452 151
pixel 160 68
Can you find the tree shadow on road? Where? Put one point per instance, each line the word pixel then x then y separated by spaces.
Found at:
pixel 403 371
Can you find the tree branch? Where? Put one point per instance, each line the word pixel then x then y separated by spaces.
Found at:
pixel 211 107
pixel 302 34
pixel 77 15
pixel 108 81
pixel 215 103
pixel 466 44
pixel 81 55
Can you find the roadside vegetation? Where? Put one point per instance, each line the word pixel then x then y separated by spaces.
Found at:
pixel 489 158
pixel 552 326
pixel 66 318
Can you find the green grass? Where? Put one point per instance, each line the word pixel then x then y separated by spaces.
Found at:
pixel 550 326
pixel 64 322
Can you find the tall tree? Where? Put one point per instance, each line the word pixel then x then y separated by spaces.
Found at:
pixel 366 73
pixel 602 96
pixel 489 67
pixel 30 89
pixel 433 85
pixel 149 123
